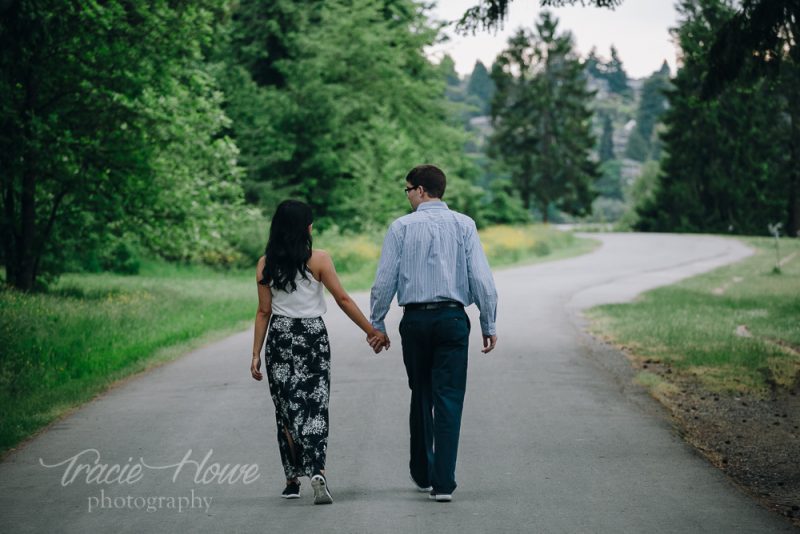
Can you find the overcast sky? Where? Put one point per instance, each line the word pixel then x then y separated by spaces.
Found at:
pixel 638 28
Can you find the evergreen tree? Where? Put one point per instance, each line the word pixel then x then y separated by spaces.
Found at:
pixel 616 75
pixel 652 105
pixel 594 65
pixel 723 165
pixel 760 42
pixel 453 90
pixel 542 121
pixel 448 69
pixel 481 86
pixel 606 151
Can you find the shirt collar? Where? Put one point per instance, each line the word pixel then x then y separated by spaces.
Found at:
pixel 432 205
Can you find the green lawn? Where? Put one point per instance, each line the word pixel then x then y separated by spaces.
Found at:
pixel 62 348
pixel 736 328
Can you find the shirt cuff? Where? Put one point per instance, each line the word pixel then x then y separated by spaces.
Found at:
pixel 488 329
pixel 380 325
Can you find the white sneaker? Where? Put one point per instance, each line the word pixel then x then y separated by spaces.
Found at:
pixel 321 493
pixel 440 497
pixel 420 488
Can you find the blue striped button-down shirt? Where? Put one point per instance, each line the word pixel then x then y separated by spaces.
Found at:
pixel 431 255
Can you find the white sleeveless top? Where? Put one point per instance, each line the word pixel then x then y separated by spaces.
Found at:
pixel 305 302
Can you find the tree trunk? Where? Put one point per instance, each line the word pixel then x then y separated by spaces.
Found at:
pixel 793 228
pixel 25 259
pixel 24 264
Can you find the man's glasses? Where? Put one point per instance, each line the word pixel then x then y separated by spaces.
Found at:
pixel 407 189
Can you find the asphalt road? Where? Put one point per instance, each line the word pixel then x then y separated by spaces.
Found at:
pixel 552 440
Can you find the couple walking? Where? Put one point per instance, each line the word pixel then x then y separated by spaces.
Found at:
pixel 433 260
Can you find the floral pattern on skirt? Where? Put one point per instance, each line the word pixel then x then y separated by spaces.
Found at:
pixel 298 364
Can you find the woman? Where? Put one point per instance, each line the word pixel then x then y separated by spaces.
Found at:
pixel 290 277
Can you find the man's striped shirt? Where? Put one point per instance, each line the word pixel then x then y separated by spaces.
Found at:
pixel 430 255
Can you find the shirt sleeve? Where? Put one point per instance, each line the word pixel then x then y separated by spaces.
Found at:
pixel 385 286
pixel 481 283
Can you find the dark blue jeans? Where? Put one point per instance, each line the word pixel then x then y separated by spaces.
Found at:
pixel 435 344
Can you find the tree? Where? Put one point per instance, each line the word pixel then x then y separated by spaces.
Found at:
pixel 606 150
pixel 448 69
pixel 760 41
pixel 489 14
pixel 357 101
pixel 723 168
pixel 542 121
pixel 637 147
pixel 86 93
pixel 616 75
pixel 481 86
pixel 652 105
pixel 593 64
pixel 612 71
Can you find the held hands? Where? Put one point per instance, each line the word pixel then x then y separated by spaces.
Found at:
pixel 378 340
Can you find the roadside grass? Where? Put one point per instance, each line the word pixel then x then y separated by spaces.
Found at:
pixel 737 328
pixel 63 347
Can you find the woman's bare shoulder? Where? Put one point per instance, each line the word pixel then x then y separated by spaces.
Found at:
pixel 318 262
pixel 319 255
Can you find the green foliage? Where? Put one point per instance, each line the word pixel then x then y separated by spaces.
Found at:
pixel 637 147
pixel 616 75
pixel 489 14
pixel 652 105
pixel 609 184
pixel 106 132
pixel 606 150
pixel 505 206
pixel 725 165
pixel 542 122
pixel 612 71
pixel 351 107
pixel 481 87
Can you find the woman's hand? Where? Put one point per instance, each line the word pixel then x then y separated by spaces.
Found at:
pixel 255 368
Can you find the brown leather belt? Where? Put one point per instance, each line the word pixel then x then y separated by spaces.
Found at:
pixel 433 305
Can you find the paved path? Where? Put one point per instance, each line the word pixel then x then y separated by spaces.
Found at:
pixel 551 441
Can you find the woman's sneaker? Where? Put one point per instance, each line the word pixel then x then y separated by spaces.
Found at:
pixel 321 493
pixel 292 491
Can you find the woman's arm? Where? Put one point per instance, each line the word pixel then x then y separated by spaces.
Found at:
pixel 329 278
pixel 262 321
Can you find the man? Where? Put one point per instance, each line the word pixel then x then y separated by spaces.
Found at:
pixel 432 258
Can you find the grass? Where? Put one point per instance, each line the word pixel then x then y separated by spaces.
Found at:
pixel 62 348
pixel 736 329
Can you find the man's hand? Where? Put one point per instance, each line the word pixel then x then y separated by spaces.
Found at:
pixel 378 340
pixel 488 343
pixel 255 367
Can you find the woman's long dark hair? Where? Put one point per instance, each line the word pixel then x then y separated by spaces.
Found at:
pixel 289 245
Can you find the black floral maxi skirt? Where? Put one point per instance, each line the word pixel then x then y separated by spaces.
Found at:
pixel 298 365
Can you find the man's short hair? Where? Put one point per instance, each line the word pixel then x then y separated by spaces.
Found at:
pixel 429 177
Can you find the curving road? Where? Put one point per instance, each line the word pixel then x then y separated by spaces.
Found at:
pixel 552 442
